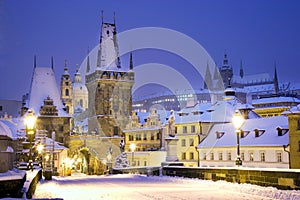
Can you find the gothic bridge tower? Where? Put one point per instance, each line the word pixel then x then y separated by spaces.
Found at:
pixel 109 87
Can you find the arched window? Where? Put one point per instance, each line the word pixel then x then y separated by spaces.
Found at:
pixel 81 102
pixel 67 92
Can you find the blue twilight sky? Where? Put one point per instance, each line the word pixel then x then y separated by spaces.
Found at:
pixel 259 33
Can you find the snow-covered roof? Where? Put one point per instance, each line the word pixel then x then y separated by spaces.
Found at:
pixel 251 79
pixel 275 100
pixel 57 145
pixel 12 127
pixel 293 110
pixel 269 137
pixel 44 85
pixel 5 130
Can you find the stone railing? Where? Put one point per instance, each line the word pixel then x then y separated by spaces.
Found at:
pixel 279 178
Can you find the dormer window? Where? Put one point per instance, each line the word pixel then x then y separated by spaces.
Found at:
pixel 244 133
pixel 220 134
pixel 258 132
pixel 281 131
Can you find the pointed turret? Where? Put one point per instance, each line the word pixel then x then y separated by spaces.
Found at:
pixel 88 68
pixel 52 63
pixel 208 79
pixel 66 68
pixel 131 62
pixel 114 18
pixel 276 88
pixel 241 70
pixel 34 62
pixel 108 51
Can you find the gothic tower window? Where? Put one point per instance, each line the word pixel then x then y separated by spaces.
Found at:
pixel 67 92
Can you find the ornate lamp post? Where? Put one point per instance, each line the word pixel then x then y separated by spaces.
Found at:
pixel 132 148
pixel 30 132
pixel 238 121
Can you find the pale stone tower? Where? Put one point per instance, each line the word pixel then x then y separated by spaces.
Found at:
pixel 80 92
pixel 109 87
pixel 66 90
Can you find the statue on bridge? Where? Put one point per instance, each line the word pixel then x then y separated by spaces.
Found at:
pixel 171 124
pixel 122 146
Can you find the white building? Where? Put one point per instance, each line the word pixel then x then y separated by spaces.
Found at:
pixel 80 93
pixel 262 144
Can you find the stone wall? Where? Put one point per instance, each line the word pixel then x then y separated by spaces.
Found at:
pixel 281 179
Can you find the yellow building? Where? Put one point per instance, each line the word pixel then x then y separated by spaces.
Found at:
pixel 274 106
pixel 147 140
pixel 294 136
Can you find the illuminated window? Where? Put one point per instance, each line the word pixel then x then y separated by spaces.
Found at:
pixel 251 155
pixel 193 129
pixel 191 156
pixel 229 156
pixel 183 144
pixel 279 156
pixel 262 157
pixel 220 156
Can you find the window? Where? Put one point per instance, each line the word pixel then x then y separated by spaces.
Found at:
pixel 67 92
pixel 183 144
pixel 229 156
pixel 138 137
pixel 220 156
pixel 81 102
pixel 175 129
pixel 184 129
pixel 1 108
pixel 116 131
pixel 67 83
pixel 204 156
pixel 279 156
pixel 130 137
pixel 191 142
pixel 298 124
pixel 243 156
pixel 145 163
pixel 61 128
pixel 191 156
pixel 145 136
pixel 193 129
pixel 212 156
pixel 251 156
pixel 183 156
pixel 262 157
pixel 299 146
pixel 152 136
pixel 158 136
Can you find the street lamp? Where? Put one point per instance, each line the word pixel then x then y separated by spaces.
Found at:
pixel 238 121
pixel 30 131
pixel 132 148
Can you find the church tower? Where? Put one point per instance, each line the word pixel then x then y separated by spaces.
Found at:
pixel 226 71
pixel 66 90
pixel 109 87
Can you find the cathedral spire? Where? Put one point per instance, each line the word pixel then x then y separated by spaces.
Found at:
pixel 241 70
pixel 131 62
pixel 208 79
pixel 276 88
pixel 102 16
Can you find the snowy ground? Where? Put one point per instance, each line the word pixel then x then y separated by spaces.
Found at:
pixel 142 187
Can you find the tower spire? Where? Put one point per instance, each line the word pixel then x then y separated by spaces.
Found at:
pixel 241 70
pixel 102 16
pixel 88 62
pixel 34 61
pixel 276 88
pixel 131 62
pixel 52 63
pixel 115 18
